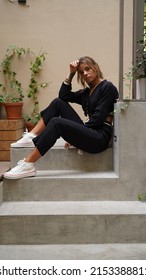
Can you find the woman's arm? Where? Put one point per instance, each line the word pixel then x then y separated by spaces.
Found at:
pixel 65 92
pixel 73 69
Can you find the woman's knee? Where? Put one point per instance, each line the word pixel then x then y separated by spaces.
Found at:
pixel 57 123
pixel 56 120
pixel 57 101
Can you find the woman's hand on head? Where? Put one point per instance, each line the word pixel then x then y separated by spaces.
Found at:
pixel 74 66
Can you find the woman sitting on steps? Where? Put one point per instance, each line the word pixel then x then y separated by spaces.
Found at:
pixel 59 119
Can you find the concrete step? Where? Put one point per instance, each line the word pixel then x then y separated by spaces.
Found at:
pixel 35 223
pixel 66 185
pixel 69 185
pixel 60 158
pixel 74 252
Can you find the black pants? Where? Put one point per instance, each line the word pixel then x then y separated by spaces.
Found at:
pixel 61 120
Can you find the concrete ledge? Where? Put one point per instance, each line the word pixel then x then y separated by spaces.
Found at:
pixel 64 185
pixel 72 222
pixel 61 158
pixel 73 208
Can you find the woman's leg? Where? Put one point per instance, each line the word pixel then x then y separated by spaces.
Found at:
pixel 57 108
pixel 78 135
pixel 86 139
pixel 60 108
pixel 33 156
pixel 40 126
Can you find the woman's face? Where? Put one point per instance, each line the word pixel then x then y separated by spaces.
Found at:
pixel 87 73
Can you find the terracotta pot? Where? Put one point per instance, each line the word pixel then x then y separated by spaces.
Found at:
pixel 29 126
pixel 13 110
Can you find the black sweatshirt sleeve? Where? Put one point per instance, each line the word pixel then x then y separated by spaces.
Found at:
pixel 66 94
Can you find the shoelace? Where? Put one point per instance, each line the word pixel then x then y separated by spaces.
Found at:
pixel 24 134
pixel 20 163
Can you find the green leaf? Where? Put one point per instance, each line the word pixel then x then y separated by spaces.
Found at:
pixel 142 197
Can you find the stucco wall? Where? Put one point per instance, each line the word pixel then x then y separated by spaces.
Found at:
pixel 66 30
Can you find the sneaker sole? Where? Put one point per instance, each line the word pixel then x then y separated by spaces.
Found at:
pixel 23 145
pixel 19 176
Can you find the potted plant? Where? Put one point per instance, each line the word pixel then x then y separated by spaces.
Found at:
pixel 33 90
pixel 11 87
pixel 31 120
pixel 1 99
pixel 138 70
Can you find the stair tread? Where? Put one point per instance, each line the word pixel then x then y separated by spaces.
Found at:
pixel 74 252
pixel 73 208
pixel 73 174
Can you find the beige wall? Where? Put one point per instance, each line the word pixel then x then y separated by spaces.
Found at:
pixel 66 30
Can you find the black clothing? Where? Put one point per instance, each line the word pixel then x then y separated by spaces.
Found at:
pixel 97 106
pixel 61 120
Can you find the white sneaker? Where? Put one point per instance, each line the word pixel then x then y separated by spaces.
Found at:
pixel 25 141
pixel 21 170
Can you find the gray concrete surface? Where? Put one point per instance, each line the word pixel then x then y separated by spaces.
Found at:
pixel 65 185
pixel 72 222
pixel 4 166
pixel 128 171
pixel 74 252
pixel 1 193
pixel 59 158
pixel 105 211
